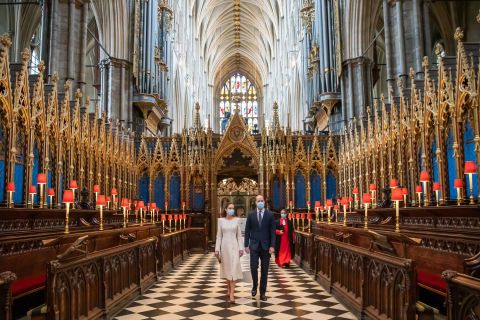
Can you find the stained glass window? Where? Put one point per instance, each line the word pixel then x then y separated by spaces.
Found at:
pixel 240 93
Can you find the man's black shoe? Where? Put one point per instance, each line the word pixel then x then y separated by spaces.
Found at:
pixel 254 292
pixel 263 297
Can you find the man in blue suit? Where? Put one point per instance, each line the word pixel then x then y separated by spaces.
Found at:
pixel 260 243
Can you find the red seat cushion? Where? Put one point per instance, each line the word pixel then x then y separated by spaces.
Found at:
pixel 431 280
pixel 27 284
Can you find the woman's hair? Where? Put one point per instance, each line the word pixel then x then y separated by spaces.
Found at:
pixel 224 211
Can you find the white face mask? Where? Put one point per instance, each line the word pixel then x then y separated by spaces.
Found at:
pixel 231 212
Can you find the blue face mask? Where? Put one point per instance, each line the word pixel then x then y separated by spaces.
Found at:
pixel 231 212
pixel 260 205
pixel 284 215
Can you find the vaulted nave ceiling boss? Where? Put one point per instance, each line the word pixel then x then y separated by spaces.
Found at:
pixel 238 35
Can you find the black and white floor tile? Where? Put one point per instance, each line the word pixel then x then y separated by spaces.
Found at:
pixel 194 291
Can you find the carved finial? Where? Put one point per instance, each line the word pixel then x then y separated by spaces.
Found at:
pixel 78 94
pixel 197 123
pixel 54 78
pixel 41 67
pixel 400 83
pixel 439 49
pixel 478 16
pixel 425 62
pixel 411 73
pixel 458 35
pixel 87 101
pixel 276 121
pixel 26 55
pixel 66 86
pixel 5 40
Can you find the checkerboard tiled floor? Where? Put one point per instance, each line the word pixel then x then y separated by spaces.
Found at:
pixel 194 291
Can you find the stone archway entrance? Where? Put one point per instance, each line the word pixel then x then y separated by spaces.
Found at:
pixel 236 173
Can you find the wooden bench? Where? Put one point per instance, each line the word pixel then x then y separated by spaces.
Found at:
pixel 101 283
pixel 371 284
pixel 463 296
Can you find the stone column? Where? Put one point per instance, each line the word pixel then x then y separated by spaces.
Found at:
pixel 418 37
pixel 83 51
pixel 71 39
pixel 400 38
pixel 388 43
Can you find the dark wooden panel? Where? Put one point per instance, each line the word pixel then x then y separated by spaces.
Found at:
pixel 101 283
pixel 463 296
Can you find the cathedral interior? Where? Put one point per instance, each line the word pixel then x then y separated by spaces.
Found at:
pixel 128 126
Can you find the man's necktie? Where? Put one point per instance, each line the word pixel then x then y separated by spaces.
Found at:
pixel 260 218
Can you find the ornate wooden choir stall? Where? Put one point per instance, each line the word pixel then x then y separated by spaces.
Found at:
pixel 75 240
pixel 402 238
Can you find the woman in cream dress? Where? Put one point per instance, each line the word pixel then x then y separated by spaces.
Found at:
pixel 228 250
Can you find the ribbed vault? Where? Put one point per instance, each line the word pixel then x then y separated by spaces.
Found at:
pixel 237 35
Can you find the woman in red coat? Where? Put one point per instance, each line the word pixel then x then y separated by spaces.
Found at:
pixel 284 248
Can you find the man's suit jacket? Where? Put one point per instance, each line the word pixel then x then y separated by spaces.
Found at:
pixel 260 237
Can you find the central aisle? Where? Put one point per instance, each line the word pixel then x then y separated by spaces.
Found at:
pixel 194 291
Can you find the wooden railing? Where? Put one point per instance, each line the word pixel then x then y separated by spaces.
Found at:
pixel 371 284
pixel 463 296
pixel 304 250
pixel 101 283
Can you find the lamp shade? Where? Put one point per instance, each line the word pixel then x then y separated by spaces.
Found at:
pixel 367 198
pixel 424 176
pixel 335 207
pixel 101 200
pixel 163 217
pixel 124 203
pixel 141 204
pixel 355 190
pixel 436 186
pixel 73 184
pixel 458 183
pixel 308 203
pixel 107 198
pixel 345 201
pixel 322 208
pixel 289 216
pixel 153 206
pixel 393 183
pixel 297 215
pixel 114 192
pixel 309 216
pixel 32 190
pixel 169 217
pixel 51 192
pixel 302 215
pixel 418 189
pixel 10 187
pixel 96 188
pixel 329 203
pixel 373 187
pixel 175 217
pixel 397 195
pixel 317 204
pixel 41 178
pixel 404 191
pixel 470 167
pixel 67 196
pixel 350 199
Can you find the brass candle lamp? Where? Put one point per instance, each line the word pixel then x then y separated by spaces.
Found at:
pixel 366 199
pixel 101 202
pixel 124 206
pixel 437 188
pixel 32 191
pixel 345 203
pixel 470 170
pixel 51 194
pixel 397 196
pixel 41 181
pixel 424 179
pixel 68 198
pixel 419 191
pixel 10 190
pixel 458 184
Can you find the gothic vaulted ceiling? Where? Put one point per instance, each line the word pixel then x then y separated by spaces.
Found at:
pixel 237 35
